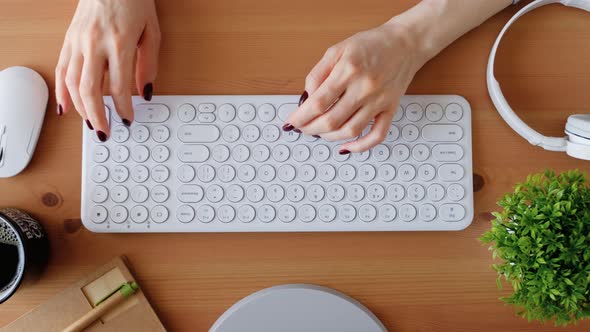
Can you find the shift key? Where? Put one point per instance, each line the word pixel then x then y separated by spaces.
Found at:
pixel 442 133
pixel 198 134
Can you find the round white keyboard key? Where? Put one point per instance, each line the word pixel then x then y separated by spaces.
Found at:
pixel 356 193
pixel 214 193
pixel 387 213
pixel 347 213
pixel 160 153
pixel 392 134
pixel 280 153
pixel 271 133
pixel 327 213
pixel 327 173
pixel 100 154
pixel 261 153
pixel 185 173
pixel 426 172
pixel 120 174
pixel 306 213
pixel 190 193
pixel 400 152
pixel 386 173
pixel 119 214
pixel 420 152
pixel 100 194
pixel 454 112
pixel 206 173
pixel 266 213
pixel 361 156
pixel 205 214
pixel 120 154
pixel 452 212
pixel 435 192
pixel 119 194
pixel 287 213
pixel 160 194
pixel 396 192
pixel 159 214
pixel 381 153
pixel 139 194
pixel 295 193
pixel 98 214
pixel 306 173
pixel 160 174
pixel 226 112
pixel 367 213
pixel 140 153
pixel 410 133
pixel 185 214
pixel 220 153
pixel 321 153
pixel 266 113
pixel 230 133
pixel 251 133
pixel 407 212
pixel 287 173
pixel 367 173
pixel 120 134
pixel 336 193
pixel 275 193
pixel 139 214
pixel 291 136
pixel 451 172
pixel 339 157
pixel 255 193
pixel 414 112
pixel 315 193
pixel 187 113
pixel 246 213
pixel 240 153
pixel 416 192
pixel 455 192
pixel 301 153
pixel 406 172
pixel 235 193
pixel 246 173
pixel 375 192
pixel 226 214
pixel 140 174
pixel 346 173
pixel 226 173
pixel 161 134
pixel 434 112
pixel 427 212
pixel 246 112
pixel 266 173
pixel 99 174
pixel 399 114
pixel 140 134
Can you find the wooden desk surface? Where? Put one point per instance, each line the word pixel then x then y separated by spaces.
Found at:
pixel 412 281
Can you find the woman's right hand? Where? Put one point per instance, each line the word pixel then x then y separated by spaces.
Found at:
pixel 104 38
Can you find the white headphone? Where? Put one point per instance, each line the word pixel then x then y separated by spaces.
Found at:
pixel 577 141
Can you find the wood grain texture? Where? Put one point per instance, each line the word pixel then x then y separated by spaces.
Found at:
pixel 412 281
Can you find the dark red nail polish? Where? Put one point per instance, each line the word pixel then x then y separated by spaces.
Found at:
pixel 288 127
pixel 89 125
pixel 303 98
pixel 297 131
pixel 60 110
pixel 316 136
pixel 101 136
pixel 148 91
pixel 126 122
pixel 343 152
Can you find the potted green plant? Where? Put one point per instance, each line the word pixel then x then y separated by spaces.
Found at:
pixel 542 237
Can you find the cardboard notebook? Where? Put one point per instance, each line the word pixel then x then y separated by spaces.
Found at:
pixel 134 314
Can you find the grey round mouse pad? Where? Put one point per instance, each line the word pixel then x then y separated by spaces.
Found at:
pixel 295 308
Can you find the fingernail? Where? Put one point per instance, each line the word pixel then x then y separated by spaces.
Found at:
pixel 288 127
pixel 316 136
pixel 101 136
pixel 297 131
pixel 303 98
pixel 343 152
pixel 60 110
pixel 89 125
pixel 127 122
pixel 148 90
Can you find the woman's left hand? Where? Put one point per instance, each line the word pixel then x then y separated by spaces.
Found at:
pixel 358 80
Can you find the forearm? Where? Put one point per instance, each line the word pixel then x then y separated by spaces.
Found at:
pixel 435 24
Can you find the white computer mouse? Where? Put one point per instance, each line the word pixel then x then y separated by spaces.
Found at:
pixel 23 102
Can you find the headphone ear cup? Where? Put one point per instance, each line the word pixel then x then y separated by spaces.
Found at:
pixel 578 131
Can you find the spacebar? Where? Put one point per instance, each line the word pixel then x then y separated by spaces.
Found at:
pixel 198 134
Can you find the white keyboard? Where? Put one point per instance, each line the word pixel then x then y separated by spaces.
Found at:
pixel 223 164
